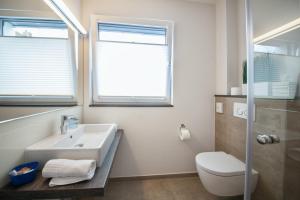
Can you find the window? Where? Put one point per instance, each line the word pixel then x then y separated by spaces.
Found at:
pixel 36 62
pixel 34 28
pixel 132 63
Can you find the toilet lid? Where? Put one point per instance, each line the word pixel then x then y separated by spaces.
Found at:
pixel 220 164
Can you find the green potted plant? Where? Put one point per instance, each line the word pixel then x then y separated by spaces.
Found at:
pixel 244 86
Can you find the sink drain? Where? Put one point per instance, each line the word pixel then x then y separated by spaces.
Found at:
pixel 79 145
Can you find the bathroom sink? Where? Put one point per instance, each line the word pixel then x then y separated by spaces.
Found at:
pixel 87 141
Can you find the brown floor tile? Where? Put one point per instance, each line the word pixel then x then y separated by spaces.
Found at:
pixel 183 188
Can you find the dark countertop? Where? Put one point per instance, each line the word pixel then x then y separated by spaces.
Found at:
pixel 39 189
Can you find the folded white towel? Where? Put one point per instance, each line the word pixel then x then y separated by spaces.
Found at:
pixel 60 168
pixel 64 171
pixel 69 180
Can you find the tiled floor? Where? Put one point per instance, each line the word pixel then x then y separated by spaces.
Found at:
pixel 183 188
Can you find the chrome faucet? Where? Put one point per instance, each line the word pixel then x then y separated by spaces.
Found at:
pixel 67 122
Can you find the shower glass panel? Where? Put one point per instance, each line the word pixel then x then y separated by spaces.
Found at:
pixel 275 90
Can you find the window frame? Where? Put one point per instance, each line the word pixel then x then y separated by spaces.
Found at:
pixel 129 101
pixel 30 20
pixel 45 100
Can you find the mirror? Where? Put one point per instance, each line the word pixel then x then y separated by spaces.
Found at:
pixel 39 60
pixel 277 49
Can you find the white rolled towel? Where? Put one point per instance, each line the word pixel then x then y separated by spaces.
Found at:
pixel 64 171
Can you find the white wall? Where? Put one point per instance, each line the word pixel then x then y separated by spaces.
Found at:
pixel 233 64
pixel 74 6
pixel 150 144
pixel 221 48
pixel 12 112
pixel 28 8
pixel 230 44
pixel 33 5
pixel 241 28
pixel 16 135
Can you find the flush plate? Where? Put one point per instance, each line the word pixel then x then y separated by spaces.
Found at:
pixel 241 110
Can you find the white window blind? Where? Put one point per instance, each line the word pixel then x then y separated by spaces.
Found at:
pixel 131 69
pixel 132 64
pixel 35 67
pixel 34 28
pixel 266 69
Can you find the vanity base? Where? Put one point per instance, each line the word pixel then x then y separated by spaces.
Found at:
pixel 39 189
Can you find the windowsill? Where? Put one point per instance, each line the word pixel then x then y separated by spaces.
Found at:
pixel 233 96
pixel 38 105
pixel 130 105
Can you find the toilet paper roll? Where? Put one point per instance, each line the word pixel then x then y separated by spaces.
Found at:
pixel 184 133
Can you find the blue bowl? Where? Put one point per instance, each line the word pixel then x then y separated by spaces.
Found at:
pixel 28 177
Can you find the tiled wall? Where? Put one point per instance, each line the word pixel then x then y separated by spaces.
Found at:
pixel 278 164
pixel 279 168
pixel 230 130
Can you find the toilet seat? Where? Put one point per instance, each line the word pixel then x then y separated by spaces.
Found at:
pixel 220 164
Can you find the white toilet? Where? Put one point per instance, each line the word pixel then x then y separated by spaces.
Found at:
pixel 223 174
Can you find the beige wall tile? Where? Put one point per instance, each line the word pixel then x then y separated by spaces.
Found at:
pixel 279 174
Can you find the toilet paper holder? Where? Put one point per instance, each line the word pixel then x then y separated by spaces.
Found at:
pixel 182 126
pixel 184 133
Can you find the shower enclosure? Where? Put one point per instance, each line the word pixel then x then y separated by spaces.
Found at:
pixel 273 132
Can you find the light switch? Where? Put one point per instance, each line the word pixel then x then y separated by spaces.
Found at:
pixel 219 107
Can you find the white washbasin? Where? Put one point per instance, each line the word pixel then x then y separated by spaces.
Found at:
pixel 88 141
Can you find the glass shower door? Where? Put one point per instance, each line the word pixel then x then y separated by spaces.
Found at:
pixel 275 93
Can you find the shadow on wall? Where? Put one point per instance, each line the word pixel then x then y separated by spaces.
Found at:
pixel 192 145
pixel 124 144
